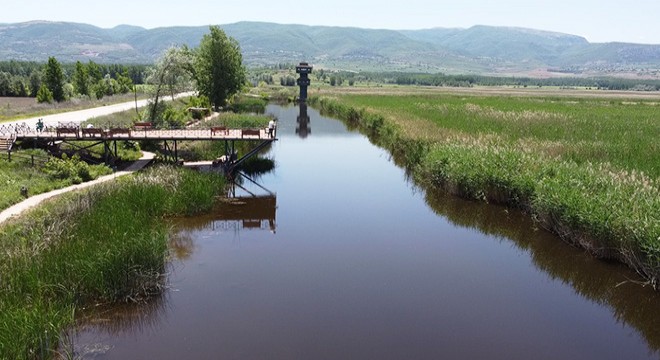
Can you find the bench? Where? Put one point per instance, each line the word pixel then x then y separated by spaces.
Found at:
pixel 66 130
pixel 5 144
pixel 143 126
pixel 250 132
pixel 116 131
pixel 219 129
pixel 92 132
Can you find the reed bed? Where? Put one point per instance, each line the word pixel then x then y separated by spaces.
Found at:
pixel 586 169
pixel 236 121
pixel 107 244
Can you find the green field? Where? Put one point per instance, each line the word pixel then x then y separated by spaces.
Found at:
pixel 585 167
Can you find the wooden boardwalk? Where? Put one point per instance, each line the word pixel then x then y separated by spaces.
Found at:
pixel 144 134
pixel 62 133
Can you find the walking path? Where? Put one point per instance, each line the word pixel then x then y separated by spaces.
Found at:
pixel 32 201
pixel 78 116
pixel 82 115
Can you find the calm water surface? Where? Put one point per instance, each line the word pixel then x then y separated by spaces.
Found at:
pixel 348 260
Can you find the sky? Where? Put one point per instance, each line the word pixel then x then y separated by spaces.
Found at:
pixel 634 21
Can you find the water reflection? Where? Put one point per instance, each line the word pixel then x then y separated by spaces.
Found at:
pixel 302 129
pixel 108 322
pixel 243 209
pixel 605 283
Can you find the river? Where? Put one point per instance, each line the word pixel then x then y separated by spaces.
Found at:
pixel 337 255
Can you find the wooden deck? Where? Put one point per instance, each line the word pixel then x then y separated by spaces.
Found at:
pixel 144 134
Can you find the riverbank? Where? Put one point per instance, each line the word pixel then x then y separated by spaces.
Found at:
pixel 66 254
pixel 584 169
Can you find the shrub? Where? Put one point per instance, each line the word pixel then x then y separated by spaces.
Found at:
pixel 44 95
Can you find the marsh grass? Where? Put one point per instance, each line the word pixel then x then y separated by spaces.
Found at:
pixel 210 150
pixel 248 104
pixel 236 121
pixel 107 244
pixel 586 169
pixel 582 130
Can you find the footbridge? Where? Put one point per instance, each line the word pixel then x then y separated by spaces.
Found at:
pixel 73 134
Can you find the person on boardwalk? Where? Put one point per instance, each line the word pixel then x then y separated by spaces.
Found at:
pixel 271 127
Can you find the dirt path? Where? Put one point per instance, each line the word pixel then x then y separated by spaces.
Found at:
pixel 32 201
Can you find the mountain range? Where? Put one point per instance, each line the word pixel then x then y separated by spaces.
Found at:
pixel 478 49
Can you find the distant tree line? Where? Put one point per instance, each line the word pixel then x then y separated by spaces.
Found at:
pixel 58 82
pixel 423 79
pixel 339 78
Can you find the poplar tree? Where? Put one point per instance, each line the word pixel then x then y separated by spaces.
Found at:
pixel 81 79
pixel 54 79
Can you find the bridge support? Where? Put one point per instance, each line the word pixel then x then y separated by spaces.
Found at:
pixel 231 160
pixel 171 151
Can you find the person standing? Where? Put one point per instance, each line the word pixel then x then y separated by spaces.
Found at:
pixel 271 127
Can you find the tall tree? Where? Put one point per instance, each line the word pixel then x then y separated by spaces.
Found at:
pixel 35 83
pixel 54 79
pixel 94 72
pixel 219 67
pixel 81 79
pixel 173 72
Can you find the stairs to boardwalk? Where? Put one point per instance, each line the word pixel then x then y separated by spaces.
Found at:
pixel 6 143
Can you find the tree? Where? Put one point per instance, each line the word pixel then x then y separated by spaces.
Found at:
pixel 219 67
pixel 35 83
pixel 94 72
pixel 173 72
pixel 44 95
pixel 54 79
pixel 20 87
pixel 5 84
pixel 124 82
pixel 81 79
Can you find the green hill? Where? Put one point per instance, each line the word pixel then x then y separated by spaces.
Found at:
pixel 479 49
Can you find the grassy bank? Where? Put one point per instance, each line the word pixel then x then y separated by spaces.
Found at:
pixel 107 244
pixel 42 175
pixel 586 169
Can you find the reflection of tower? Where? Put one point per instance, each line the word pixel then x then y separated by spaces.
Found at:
pixel 303 129
pixel 303 69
